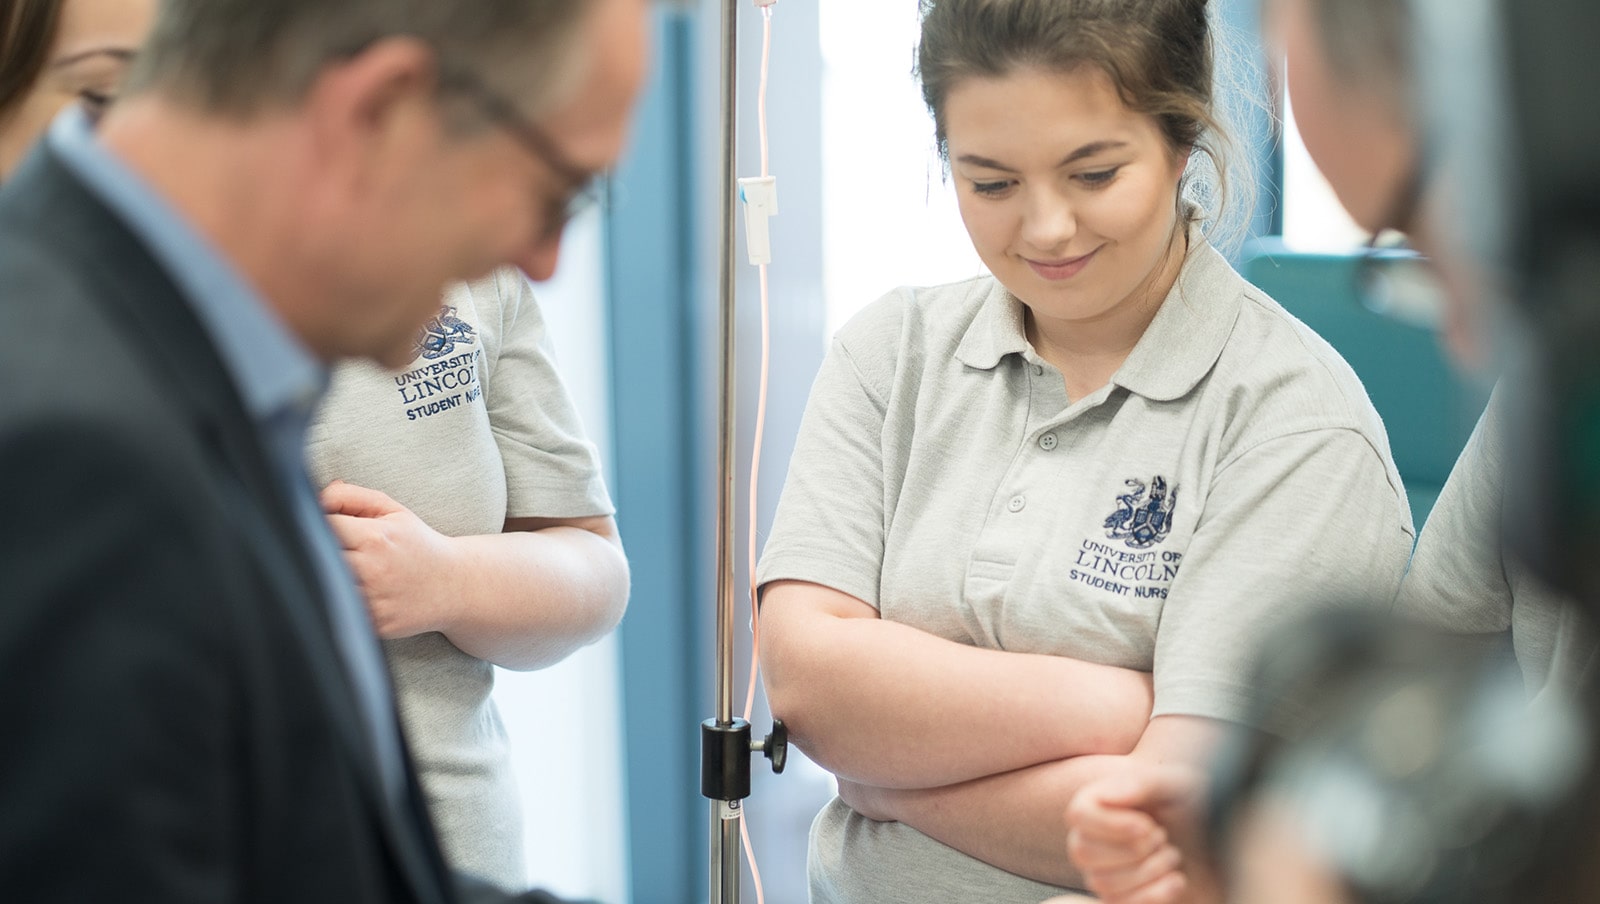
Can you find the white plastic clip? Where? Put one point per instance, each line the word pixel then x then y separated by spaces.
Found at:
pixel 760 197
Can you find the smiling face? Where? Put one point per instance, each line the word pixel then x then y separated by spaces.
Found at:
pixel 94 42
pixel 1069 196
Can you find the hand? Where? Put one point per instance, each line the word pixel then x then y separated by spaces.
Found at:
pixel 405 568
pixel 869 801
pixel 1136 837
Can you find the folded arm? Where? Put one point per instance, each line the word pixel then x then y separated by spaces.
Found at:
pixel 886 704
pixel 522 599
pixel 1016 821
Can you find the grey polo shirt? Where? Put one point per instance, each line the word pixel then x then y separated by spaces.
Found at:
pixel 1461 580
pixel 476 429
pixel 1231 471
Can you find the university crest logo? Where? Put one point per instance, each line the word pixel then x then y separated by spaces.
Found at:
pixel 439 336
pixel 1143 516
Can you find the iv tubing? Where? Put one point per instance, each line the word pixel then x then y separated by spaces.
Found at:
pixel 755 453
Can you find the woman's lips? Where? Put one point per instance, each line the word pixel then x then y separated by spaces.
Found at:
pixel 1065 268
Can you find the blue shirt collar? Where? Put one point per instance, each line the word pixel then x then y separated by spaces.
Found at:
pixel 276 376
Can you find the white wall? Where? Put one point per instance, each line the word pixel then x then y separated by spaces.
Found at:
pixel 889 215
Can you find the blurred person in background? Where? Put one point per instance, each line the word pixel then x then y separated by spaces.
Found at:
pixel 501 452
pixel 187 663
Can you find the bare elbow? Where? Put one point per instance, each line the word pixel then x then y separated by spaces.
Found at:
pixel 612 585
pixel 795 689
pixel 615 603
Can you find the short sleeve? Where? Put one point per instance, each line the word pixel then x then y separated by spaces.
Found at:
pixel 1292 523
pixel 1458 580
pixel 829 526
pixel 1461 581
pixel 551 468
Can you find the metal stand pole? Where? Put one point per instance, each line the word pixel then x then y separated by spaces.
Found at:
pixel 725 801
pixel 725 741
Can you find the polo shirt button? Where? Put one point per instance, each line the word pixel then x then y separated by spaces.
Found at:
pixel 1047 442
pixel 1016 503
pixel 1038 370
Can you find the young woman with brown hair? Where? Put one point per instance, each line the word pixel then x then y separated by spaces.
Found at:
pixel 1035 522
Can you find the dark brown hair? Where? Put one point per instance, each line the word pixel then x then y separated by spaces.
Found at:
pixel 1160 55
pixel 27 32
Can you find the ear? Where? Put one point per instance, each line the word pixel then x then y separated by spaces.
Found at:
pixel 366 111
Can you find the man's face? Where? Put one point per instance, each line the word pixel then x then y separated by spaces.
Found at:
pixel 1368 153
pixel 1357 140
pixel 456 207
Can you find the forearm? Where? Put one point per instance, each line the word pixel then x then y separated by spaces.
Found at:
pixel 1014 821
pixel 892 706
pixel 529 598
pixel 1017 821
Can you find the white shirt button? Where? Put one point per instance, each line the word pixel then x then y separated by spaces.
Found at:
pixel 1038 370
pixel 1047 442
pixel 1016 503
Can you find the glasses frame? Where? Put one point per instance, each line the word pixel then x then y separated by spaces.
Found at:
pixel 1392 279
pixel 585 189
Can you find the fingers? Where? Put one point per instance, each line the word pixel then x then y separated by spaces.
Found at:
pixel 353 533
pixel 1115 837
pixel 1093 851
pixel 1146 877
pixel 343 498
pixel 1102 836
pixel 1173 888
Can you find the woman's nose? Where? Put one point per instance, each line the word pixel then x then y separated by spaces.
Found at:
pixel 1048 222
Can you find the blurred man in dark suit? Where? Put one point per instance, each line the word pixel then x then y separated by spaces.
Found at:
pixel 195 707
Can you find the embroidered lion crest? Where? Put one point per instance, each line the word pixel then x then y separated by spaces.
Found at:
pixel 1143 516
pixel 439 336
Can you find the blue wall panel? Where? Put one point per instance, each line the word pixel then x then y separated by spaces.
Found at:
pixel 651 284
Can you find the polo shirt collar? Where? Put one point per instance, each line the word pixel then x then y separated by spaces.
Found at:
pixel 1176 351
pixel 1188 334
pixel 998 329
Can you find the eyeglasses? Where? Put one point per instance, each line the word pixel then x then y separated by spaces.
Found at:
pixel 1399 283
pixel 1391 278
pixel 585 189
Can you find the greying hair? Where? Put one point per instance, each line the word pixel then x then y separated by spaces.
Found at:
pixel 1159 54
pixel 1368 45
pixel 236 57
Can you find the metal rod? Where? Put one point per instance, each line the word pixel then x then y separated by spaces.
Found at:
pixel 725 428
pixel 725 830
pixel 725 864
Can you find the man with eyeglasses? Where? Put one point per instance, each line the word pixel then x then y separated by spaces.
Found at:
pixel 196 708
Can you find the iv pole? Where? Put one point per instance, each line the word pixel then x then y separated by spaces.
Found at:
pixel 725 741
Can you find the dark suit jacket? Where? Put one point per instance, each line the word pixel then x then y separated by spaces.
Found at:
pixel 175 723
